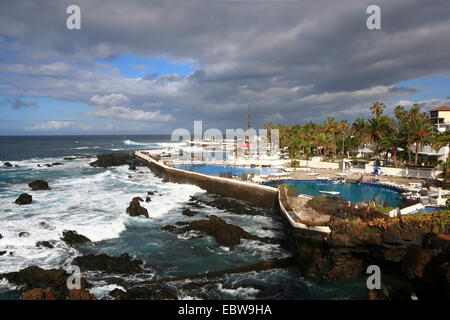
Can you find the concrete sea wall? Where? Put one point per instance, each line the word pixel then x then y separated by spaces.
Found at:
pixel 263 196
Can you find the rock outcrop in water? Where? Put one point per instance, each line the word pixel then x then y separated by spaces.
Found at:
pixel 135 208
pixel 73 238
pixel 225 234
pixel 34 277
pixel 123 264
pixel 23 199
pixel 7 165
pixel 147 292
pixel 45 244
pixel 117 159
pixel 41 284
pixel 39 185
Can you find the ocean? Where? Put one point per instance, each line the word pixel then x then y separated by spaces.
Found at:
pixel 92 201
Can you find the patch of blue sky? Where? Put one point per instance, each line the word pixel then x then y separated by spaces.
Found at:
pixel 430 88
pixel 138 67
pixel 45 109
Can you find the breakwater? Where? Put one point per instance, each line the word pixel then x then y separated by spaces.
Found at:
pixel 263 196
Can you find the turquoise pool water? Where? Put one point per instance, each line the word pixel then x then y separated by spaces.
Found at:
pixel 352 192
pixel 217 170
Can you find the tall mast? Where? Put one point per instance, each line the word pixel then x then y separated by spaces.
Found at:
pixel 249 124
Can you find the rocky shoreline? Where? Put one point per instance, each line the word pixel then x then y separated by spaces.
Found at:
pixel 412 252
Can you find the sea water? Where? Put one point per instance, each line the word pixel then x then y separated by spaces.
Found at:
pixel 92 201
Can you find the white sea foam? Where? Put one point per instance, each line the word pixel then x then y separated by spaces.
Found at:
pixel 101 292
pixel 5 284
pixel 134 143
pixel 88 200
pixel 241 292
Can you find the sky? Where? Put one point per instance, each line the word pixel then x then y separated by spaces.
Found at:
pixel 149 67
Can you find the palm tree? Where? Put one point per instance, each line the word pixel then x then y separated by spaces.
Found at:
pixel 377 109
pixel 378 128
pixel 423 133
pixel 442 141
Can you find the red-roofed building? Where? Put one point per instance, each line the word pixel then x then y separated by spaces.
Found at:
pixel 440 116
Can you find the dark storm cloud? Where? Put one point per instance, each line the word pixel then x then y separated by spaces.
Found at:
pixel 18 103
pixel 293 61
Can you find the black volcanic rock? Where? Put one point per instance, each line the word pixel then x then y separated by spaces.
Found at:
pixel 226 234
pixel 45 225
pixel 45 244
pixel 135 208
pixel 123 264
pixel 39 185
pixel 35 277
pixel 116 159
pixel 24 234
pixel 73 238
pixel 24 198
pixel 148 292
pixel 8 165
pixel 188 212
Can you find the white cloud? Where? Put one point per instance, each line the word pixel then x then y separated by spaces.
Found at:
pixel 124 113
pixel 50 126
pixel 110 106
pixel 109 100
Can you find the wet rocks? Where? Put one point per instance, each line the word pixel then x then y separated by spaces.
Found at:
pixel 188 212
pixel 47 294
pixel 148 292
pixel 24 234
pixel 2 253
pixel 72 238
pixel 81 294
pixel 148 199
pixel 415 260
pixel 35 277
pixel 151 193
pixel 45 225
pixel 123 264
pixel 135 208
pixel 7 165
pixel 45 244
pixel 116 159
pixel 39 185
pixel 225 234
pixel 39 294
pixel 392 288
pixel 229 204
pixel 23 199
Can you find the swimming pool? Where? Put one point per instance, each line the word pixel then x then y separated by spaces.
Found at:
pixel 352 192
pixel 217 170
